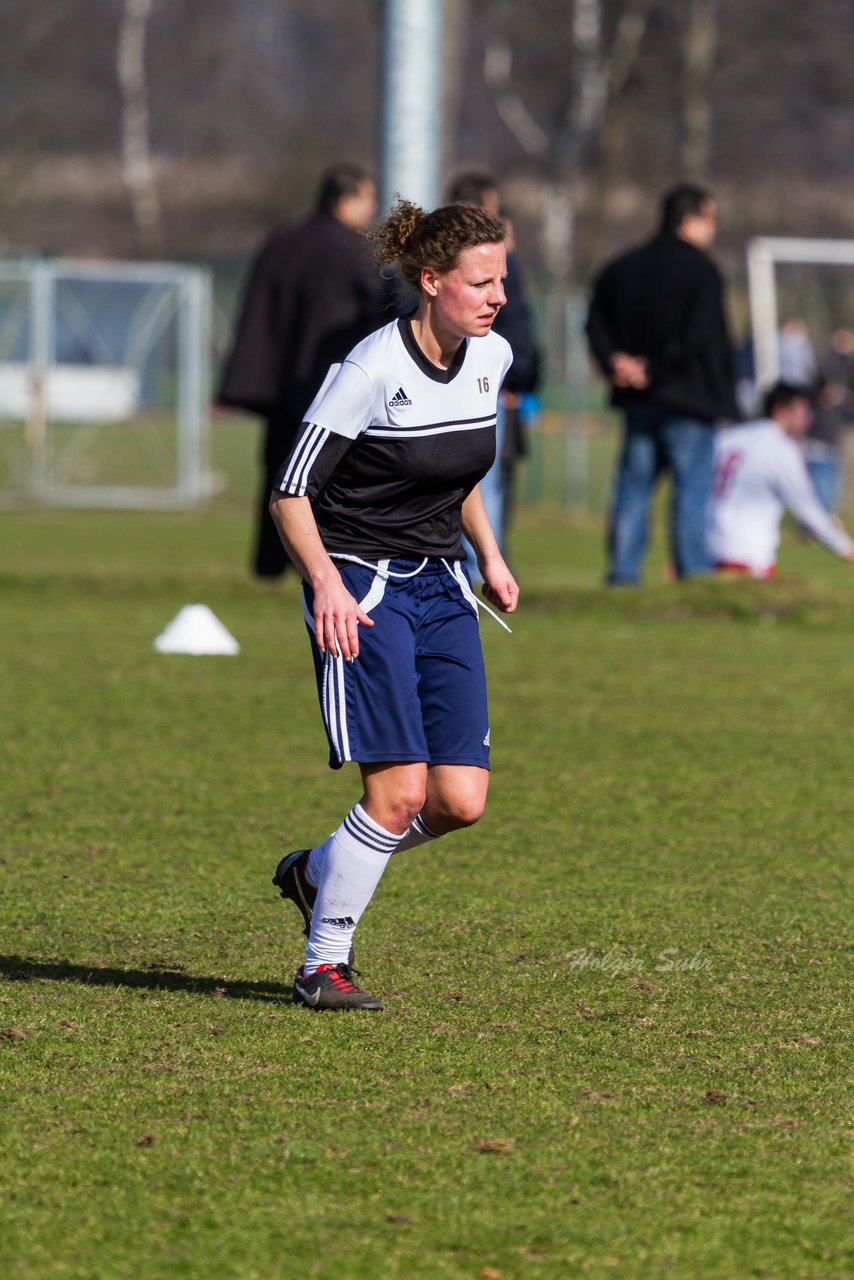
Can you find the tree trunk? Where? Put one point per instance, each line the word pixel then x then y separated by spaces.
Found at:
pixel 454 36
pixel 137 170
pixel 699 47
pixel 621 60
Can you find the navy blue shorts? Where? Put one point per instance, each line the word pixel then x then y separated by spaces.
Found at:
pixel 417 691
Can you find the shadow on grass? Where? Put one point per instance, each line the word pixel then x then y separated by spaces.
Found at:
pixel 27 969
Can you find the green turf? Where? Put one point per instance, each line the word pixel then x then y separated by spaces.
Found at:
pixel 616 1035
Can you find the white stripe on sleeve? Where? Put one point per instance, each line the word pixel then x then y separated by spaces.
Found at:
pixel 303 457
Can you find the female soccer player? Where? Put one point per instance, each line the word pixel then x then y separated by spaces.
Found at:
pixel 370 504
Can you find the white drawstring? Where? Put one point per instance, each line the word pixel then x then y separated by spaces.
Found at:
pixel 382 570
pixel 460 578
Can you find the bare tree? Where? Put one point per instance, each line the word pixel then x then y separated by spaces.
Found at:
pixel 137 169
pixel 597 102
pixel 622 58
pixel 699 46
pixel 599 71
pixel 498 74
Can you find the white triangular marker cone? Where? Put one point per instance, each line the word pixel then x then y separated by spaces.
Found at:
pixel 196 629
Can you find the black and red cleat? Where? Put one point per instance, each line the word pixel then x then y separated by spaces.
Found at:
pixel 331 986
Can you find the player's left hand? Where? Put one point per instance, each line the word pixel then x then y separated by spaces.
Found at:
pixel 499 586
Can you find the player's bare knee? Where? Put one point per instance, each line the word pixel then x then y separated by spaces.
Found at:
pixel 403 807
pixel 449 813
pixel 468 811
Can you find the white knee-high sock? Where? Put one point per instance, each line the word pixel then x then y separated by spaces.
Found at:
pixel 418 833
pixel 356 857
pixel 316 861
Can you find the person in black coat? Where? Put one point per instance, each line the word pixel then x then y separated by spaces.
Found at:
pixel 658 330
pixel 513 322
pixel 312 294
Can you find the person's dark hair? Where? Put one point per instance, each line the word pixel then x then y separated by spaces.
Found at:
pixel 681 203
pixel 782 394
pixel 413 239
pixel 470 188
pixel 338 181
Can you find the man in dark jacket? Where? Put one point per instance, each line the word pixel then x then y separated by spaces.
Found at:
pixel 658 330
pixel 513 322
pixel 313 293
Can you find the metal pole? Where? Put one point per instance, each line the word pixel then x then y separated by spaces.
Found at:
pixel 193 334
pixel 576 463
pixel 411 112
pixel 41 359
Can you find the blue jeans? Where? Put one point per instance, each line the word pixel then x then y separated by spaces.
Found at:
pixel 658 440
pixel 826 475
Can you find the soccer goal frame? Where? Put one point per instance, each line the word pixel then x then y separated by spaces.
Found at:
pixel 764 255
pixel 95 350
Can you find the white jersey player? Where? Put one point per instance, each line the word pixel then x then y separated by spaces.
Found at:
pixel 760 472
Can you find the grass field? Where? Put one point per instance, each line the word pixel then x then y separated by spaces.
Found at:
pixel 616 1038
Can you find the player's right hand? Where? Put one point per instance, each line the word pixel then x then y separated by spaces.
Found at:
pixel 337 618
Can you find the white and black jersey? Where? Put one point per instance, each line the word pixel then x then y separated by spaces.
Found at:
pixel 393 445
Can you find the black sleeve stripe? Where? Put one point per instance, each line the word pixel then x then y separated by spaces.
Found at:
pixel 450 422
pixel 390 433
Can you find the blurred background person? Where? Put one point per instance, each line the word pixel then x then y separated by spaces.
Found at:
pixel 760 472
pixel 797 365
pixel 312 294
pixel 514 323
pixel 748 396
pixel 834 413
pixel 658 331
